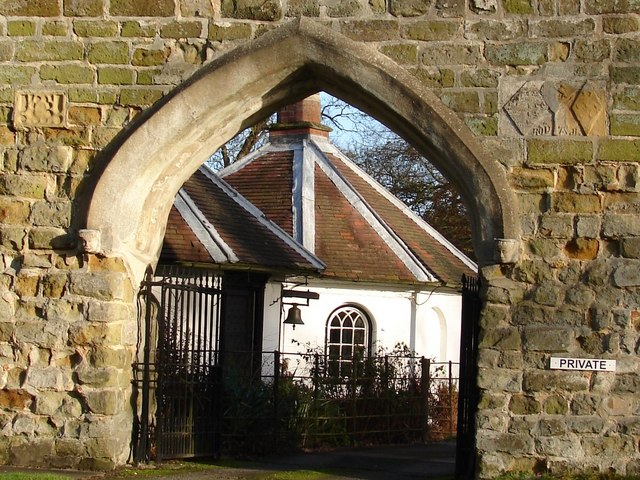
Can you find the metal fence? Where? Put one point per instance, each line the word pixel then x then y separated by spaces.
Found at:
pixel 295 402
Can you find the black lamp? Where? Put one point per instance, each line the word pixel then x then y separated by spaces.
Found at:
pixel 293 317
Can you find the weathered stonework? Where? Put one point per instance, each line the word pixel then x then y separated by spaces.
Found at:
pixel 549 89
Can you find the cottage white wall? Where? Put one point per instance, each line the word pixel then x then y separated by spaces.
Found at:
pixel 431 330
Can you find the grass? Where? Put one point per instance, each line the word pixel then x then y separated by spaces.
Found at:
pixel 32 476
pixel 567 476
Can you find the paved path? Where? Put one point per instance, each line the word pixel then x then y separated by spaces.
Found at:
pixel 431 461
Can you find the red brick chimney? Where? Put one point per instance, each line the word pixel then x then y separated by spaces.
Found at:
pixel 300 118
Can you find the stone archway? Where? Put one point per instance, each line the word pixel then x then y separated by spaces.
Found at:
pixel 131 198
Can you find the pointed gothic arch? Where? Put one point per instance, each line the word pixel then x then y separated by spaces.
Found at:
pixel 132 195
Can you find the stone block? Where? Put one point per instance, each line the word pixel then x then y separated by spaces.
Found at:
pixel 620 25
pixel 627 274
pixel 555 225
pixel 177 29
pixel 518 7
pixel 462 102
pixel 515 444
pixel 623 124
pixel 13 75
pixel 547 338
pixel 564 152
pixel 620 225
pixel 48 214
pixel 32 8
pixel 137 29
pixel 84 116
pixel 532 179
pixel 482 126
pixel 34 51
pixel 401 53
pixel 555 405
pixel 434 77
pixel 627 98
pixel 483 78
pixel 582 249
pixel 116 76
pixel 40 158
pixel 627 50
pixel 552 427
pixel 108 53
pixel 630 247
pixel 32 452
pixel 97 28
pixel 516 54
pixel 555 380
pixel 501 338
pixel 67 74
pixel 569 446
pixel 524 405
pixel 268 10
pixel 103 402
pixel 101 356
pixel 624 74
pixel 619 150
pixel 83 334
pixel 493 30
pixel 17 399
pixel 83 8
pixel 196 8
pixel 6 51
pixel 409 8
pixel 221 32
pixel 143 57
pixel 370 30
pixel 483 7
pixel 102 286
pixel 109 312
pixel 21 28
pixel 140 96
pixel 55 28
pixel 14 211
pixel 563 28
pixel 142 8
pixel 28 186
pixel 12 238
pixel 500 380
pixel 451 54
pixel 49 378
pixel 569 202
pixel 431 30
pixel 608 446
pixel 585 424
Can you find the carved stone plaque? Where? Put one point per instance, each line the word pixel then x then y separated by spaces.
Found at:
pixel 529 112
pixel 39 109
pixel 590 110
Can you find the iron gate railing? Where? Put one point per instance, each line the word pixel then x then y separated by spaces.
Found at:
pixel 468 397
pixel 177 378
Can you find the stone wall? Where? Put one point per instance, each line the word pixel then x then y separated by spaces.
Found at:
pixel 552 87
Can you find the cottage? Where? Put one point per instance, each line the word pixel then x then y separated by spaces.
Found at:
pixel 382 275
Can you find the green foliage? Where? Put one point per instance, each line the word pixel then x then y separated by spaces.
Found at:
pixel 327 403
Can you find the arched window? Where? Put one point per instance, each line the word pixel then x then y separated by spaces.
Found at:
pixel 348 337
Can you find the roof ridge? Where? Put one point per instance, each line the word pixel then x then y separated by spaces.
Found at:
pixel 261 217
pixel 211 240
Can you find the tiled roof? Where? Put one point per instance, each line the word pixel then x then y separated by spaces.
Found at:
pixel 359 233
pixel 432 252
pixel 211 223
pixel 267 182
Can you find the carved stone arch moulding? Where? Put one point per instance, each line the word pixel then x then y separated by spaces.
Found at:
pixel 132 195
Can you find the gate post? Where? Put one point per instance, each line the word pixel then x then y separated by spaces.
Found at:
pixel 425 380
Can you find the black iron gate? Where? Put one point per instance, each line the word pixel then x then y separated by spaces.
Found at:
pixel 177 374
pixel 468 395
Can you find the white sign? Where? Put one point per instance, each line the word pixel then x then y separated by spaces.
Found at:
pixel 593 364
